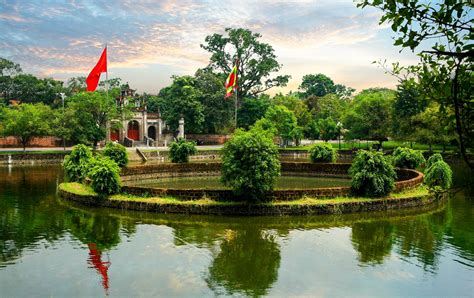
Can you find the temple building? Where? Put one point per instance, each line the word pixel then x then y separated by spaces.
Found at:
pixel 143 128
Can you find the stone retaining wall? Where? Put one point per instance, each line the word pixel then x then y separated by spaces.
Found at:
pixel 243 209
pixel 408 179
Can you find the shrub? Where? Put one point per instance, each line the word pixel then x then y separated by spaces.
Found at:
pixel 372 174
pixel 322 153
pixel 117 153
pixel 434 158
pixel 439 174
pixel 77 163
pixel 181 150
pixel 250 164
pixel 407 158
pixel 104 174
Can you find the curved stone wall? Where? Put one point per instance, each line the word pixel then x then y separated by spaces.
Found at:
pixel 408 179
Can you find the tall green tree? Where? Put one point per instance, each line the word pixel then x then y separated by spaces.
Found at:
pixel 369 115
pixel 284 121
pixel 92 110
pixel 445 71
pixel 296 105
pixel 27 121
pixel 218 112
pixel 257 60
pixel 30 89
pixel 8 69
pixel 252 109
pixel 181 99
pixel 317 85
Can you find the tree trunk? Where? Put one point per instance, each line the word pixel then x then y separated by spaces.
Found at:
pixel 457 113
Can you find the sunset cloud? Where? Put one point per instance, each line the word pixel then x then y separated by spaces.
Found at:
pixel 162 38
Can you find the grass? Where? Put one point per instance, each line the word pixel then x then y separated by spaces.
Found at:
pixel 84 190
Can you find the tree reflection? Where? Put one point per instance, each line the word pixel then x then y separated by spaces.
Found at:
pixel 247 263
pixel 372 240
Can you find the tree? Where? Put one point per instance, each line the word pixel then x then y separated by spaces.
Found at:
pixel 369 115
pixel 218 112
pixel 257 60
pixel 30 89
pixel 251 110
pixel 75 85
pixel 92 110
pixel 296 105
pixel 317 85
pixel 330 105
pixel 446 70
pixel 432 126
pixel 181 99
pixel 328 129
pixel 250 164
pixel 408 103
pixel 8 69
pixel 27 121
pixel 284 122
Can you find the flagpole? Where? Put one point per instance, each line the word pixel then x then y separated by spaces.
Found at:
pixel 107 75
pixel 236 91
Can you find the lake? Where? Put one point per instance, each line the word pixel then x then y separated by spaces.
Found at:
pixel 50 247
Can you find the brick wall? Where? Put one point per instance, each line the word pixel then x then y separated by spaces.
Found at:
pixel 14 142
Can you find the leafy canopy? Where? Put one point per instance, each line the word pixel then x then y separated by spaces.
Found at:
pixel 257 60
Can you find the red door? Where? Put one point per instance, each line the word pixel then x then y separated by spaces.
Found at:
pixel 114 135
pixel 133 131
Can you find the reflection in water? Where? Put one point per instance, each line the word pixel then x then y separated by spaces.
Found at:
pixel 247 263
pixel 248 254
pixel 95 260
pixel 373 241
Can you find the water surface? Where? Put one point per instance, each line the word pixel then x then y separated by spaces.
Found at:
pixel 49 247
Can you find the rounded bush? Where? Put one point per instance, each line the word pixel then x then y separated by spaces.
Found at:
pixel 117 153
pixel 181 150
pixel 407 158
pixel 372 174
pixel 322 153
pixel 434 158
pixel 104 175
pixel 77 163
pixel 250 164
pixel 439 174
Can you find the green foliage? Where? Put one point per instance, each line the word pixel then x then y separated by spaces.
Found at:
pixel 250 164
pixel 77 164
pixel 92 110
pixel 181 99
pixel 432 126
pixel 27 121
pixel 322 153
pixel 434 158
pixel 257 60
pixel 328 129
pixel 317 85
pixel 181 150
pixel 369 115
pixel 439 174
pixel 407 158
pixel 117 153
pixel 104 174
pixel 284 122
pixel 372 174
pixel 296 105
pixel 251 110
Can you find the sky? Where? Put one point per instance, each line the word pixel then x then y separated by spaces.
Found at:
pixel 150 41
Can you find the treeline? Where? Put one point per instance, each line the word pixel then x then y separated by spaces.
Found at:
pixel 429 105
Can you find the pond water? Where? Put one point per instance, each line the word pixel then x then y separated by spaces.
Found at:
pixel 213 182
pixel 49 247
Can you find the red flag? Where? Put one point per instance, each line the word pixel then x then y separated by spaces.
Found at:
pixel 101 66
